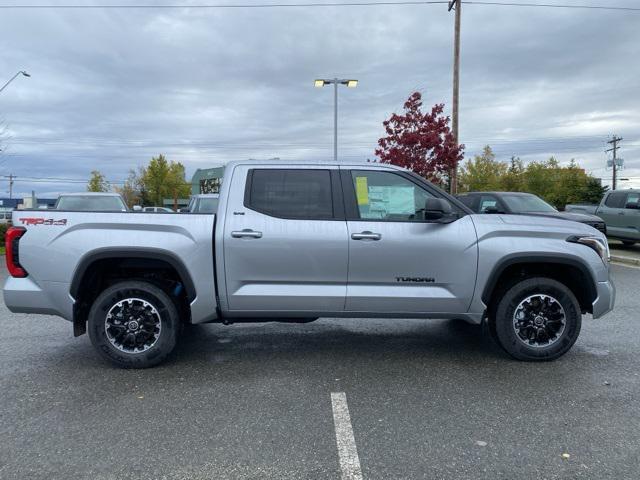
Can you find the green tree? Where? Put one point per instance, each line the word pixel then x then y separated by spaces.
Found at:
pixel 163 179
pixel 130 190
pixel 98 182
pixel 513 180
pixel 483 173
pixel 592 191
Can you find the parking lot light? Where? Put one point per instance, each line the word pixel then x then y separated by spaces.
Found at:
pixel 350 83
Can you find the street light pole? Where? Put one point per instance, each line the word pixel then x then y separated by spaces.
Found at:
pixel 335 82
pixel 21 72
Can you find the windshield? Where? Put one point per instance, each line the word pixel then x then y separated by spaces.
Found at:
pixel 527 203
pixel 207 205
pixel 91 203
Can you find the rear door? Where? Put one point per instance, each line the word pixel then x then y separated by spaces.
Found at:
pixel 285 240
pixel 398 262
pixel 612 212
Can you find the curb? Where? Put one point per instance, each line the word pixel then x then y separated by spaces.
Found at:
pixel 626 260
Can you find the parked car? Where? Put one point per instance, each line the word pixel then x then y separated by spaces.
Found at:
pixel 293 242
pixel 157 209
pixel 5 217
pixel 524 204
pixel 91 202
pixel 620 210
pixel 203 203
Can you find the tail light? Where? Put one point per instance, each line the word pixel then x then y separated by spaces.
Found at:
pixel 11 241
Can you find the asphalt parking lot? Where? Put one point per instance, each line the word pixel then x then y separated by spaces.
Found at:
pixel 426 399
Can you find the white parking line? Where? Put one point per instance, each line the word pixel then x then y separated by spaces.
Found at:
pixel 347 451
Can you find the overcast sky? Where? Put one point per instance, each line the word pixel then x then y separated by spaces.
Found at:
pixel 110 88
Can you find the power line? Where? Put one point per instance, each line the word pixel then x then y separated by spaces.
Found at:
pixel 142 6
pixel 221 5
pixel 553 5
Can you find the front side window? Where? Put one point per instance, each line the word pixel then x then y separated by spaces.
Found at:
pixel 387 196
pixel 633 198
pixel 291 193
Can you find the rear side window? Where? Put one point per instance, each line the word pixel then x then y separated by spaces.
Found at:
pixel 616 200
pixel 290 193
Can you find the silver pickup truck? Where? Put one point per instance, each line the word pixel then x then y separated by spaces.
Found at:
pixel 620 210
pixel 296 241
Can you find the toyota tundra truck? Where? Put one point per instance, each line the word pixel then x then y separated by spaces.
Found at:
pixel 293 242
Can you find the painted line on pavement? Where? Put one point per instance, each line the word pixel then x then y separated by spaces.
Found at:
pixel 347 451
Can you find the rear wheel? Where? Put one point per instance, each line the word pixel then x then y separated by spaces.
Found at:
pixel 537 319
pixel 134 324
pixel 628 243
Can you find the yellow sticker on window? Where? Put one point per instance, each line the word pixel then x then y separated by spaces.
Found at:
pixel 362 191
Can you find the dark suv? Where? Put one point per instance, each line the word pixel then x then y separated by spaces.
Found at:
pixel 519 203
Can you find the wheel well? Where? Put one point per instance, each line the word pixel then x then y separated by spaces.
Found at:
pixel 101 273
pixel 577 279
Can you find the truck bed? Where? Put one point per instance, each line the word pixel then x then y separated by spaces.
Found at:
pixel 58 243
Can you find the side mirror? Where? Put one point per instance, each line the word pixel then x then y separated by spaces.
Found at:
pixel 137 208
pixel 438 210
pixel 632 206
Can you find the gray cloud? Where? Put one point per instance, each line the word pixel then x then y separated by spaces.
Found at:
pixel 111 88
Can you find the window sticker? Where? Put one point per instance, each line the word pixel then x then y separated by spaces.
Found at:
pixel 362 191
pixel 392 200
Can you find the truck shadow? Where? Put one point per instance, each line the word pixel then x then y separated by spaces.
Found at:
pixel 349 340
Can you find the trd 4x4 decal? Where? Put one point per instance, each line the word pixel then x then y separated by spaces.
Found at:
pixel 43 221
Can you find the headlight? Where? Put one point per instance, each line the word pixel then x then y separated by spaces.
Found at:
pixel 599 244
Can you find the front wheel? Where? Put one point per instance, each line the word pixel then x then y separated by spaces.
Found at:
pixel 133 324
pixel 537 319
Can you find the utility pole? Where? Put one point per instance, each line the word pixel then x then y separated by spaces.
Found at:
pixel 614 141
pixel 456 86
pixel 11 177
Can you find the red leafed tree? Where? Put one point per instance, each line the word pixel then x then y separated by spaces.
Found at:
pixel 421 142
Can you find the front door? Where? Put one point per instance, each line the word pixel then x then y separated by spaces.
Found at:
pixel 285 240
pixel 398 262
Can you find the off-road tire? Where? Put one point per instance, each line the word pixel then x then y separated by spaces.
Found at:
pixel 505 309
pixel 154 296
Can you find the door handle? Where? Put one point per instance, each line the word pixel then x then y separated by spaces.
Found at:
pixel 366 236
pixel 247 232
pixel 620 213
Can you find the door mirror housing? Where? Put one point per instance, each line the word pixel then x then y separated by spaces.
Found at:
pixel 438 210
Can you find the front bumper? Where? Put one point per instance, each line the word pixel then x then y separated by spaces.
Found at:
pixel 606 298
